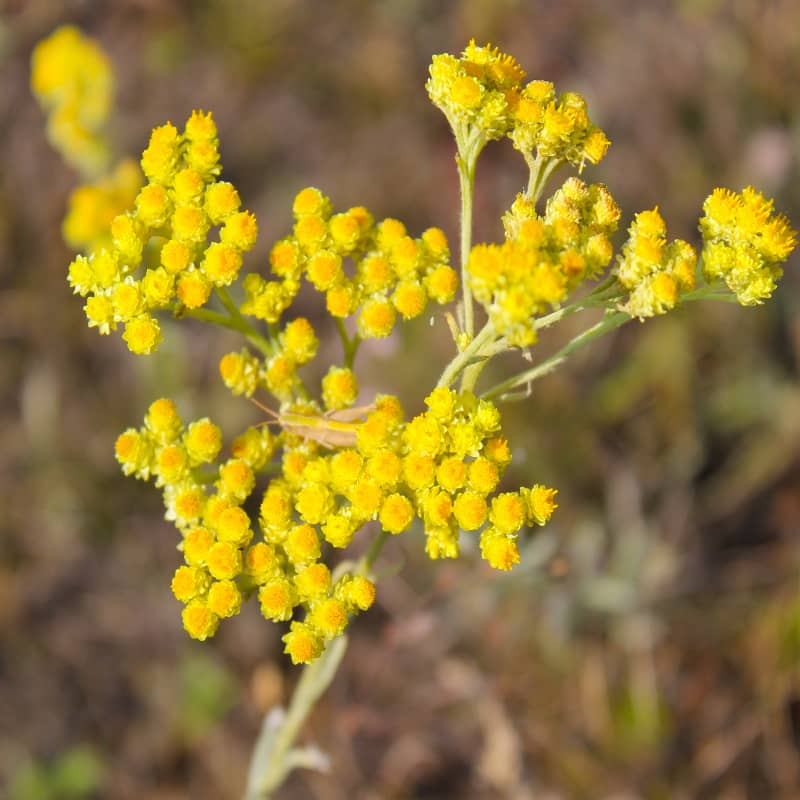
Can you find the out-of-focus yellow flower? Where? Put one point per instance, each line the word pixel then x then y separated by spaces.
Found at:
pixel 92 207
pixel 745 243
pixel 73 81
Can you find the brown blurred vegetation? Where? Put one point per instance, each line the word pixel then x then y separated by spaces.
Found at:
pixel 648 644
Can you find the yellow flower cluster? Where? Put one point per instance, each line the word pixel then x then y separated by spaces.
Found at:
pixel 543 257
pixel 168 244
pixel 74 83
pixel 393 274
pixel 554 127
pixel 482 93
pixel 745 243
pixel 93 206
pixel 443 467
pixel 654 271
pixel 477 90
pixel 174 212
pixel 223 566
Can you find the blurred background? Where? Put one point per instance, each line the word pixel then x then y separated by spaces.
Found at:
pixel 648 644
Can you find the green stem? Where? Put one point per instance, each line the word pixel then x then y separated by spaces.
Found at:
pixel 275 755
pixel 473 358
pixel 350 345
pixel 266 347
pixel 200 476
pixel 557 316
pixel 235 323
pixel 709 293
pixel 599 296
pixel 540 172
pixel 473 350
pixel 610 322
pixel 466 180
pixel 207 315
pixel 371 556
pixel 471 374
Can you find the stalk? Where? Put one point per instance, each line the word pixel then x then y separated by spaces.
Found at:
pixel 274 754
pixel 466 181
pixel 610 322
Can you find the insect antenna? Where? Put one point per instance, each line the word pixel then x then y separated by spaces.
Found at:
pixel 266 410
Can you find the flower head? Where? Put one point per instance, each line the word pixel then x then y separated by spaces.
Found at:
pixel 745 243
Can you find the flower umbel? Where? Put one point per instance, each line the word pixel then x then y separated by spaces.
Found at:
pixel 745 243
pixel 258 519
pixel 159 248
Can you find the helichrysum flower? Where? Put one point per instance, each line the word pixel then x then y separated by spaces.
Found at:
pixel 73 81
pixel 92 207
pixel 172 215
pixel 477 91
pixel 543 257
pixel 553 127
pixel 339 466
pixel 441 468
pixel 745 243
pixel 393 275
pixel 339 388
pixel 655 272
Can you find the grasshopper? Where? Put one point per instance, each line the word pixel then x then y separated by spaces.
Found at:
pixel 331 429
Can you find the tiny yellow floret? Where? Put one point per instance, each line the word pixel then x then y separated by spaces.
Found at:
pixel 277 599
pixel 163 419
pixel 302 544
pixel 189 582
pixel 329 617
pixel 203 441
pixel 224 560
pixel 303 645
pixel 224 599
pixel 500 551
pixel 199 621
pixel 508 512
pixel 196 545
pixel 397 513
pixel 339 388
pixel 142 334
pixel 233 525
pixel 313 581
pixel 260 562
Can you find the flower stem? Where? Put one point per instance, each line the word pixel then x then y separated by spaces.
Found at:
pixel 350 345
pixel 611 321
pixel 371 556
pixel 474 350
pixel 274 754
pixel 266 347
pixel 600 295
pixel 234 322
pixel 469 142
pixel 540 172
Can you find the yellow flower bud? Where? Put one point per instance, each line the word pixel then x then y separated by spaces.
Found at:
pixel 224 599
pixel 303 644
pixel 199 621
